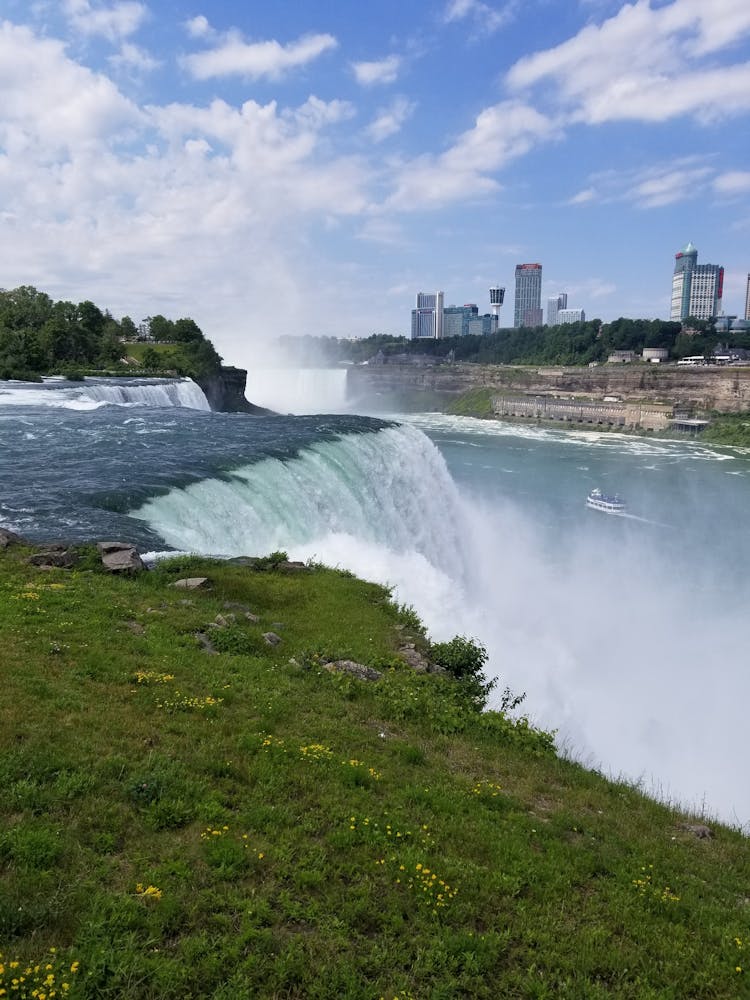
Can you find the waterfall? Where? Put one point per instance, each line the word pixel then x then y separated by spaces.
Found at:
pixel 382 504
pixel 298 390
pixel 173 392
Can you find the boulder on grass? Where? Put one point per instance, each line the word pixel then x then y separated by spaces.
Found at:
pixel 120 557
pixel 191 583
pixel 358 670
pixel 54 557
pixel 9 538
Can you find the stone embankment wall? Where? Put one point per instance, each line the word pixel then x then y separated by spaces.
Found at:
pixel 696 389
pixel 642 416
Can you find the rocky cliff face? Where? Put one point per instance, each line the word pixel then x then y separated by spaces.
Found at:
pixel 225 392
pixel 702 389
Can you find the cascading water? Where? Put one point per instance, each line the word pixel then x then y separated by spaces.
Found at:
pixel 95 392
pixel 298 390
pixel 182 392
pixel 341 501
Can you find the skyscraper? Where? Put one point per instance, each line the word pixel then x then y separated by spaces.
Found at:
pixel 697 289
pixel 554 305
pixel 427 318
pixel 684 263
pixel 747 299
pixel 706 291
pixel 528 304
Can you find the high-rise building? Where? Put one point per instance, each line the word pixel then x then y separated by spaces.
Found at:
pixel 456 319
pixel 554 305
pixel 427 318
pixel 528 304
pixel 747 299
pixel 684 263
pixel 706 291
pixel 570 316
pixel 697 289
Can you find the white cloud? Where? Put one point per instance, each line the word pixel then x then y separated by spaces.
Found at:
pixel 584 196
pixel 500 134
pixel 486 18
pixel 390 120
pixel 643 64
pixel 112 22
pixel 198 27
pixel 668 187
pixel 732 182
pixel 253 60
pixel 378 71
pixel 132 57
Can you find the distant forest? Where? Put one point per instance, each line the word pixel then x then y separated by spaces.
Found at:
pixel 39 336
pixel 567 344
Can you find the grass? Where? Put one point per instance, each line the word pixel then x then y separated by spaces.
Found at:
pixel 472 403
pixel 246 824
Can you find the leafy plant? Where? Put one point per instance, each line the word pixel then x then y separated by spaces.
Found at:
pixel 464 659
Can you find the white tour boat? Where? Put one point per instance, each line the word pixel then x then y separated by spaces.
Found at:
pixel 609 503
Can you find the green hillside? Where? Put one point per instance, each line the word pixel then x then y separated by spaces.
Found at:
pixel 243 823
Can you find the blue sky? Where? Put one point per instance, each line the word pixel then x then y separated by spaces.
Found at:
pixel 309 166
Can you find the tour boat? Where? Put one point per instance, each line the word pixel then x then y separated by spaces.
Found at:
pixel 610 503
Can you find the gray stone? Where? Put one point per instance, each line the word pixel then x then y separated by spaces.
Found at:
pixel 271 638
pixel 358 670
pixel 205 643
pixel 118 557
pixel 54 558
pixel 223 620
pixel 699 830
pixel 190 583
pixel 414 658
pixel 9 538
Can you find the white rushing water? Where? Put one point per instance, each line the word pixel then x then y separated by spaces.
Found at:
pixel 93 393
pixel 638 663
pixel 298 390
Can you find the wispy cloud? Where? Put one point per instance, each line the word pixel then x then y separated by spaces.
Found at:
pixel 114 21
pixel 644 64
pixel 378 71
pixel 653 186
pixel 133 58
pixel 733 182
pixel 501 133
pixel 483 16
pixel 252 60
pixel 390 120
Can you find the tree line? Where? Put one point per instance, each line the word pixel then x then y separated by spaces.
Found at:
pixel 39 336
pixel 580 343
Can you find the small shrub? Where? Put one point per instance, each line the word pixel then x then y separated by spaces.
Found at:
pixel 238 641
pixel 464 659
pixel 271 561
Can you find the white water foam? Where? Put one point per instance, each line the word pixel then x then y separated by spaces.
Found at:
pixel 92 394
pixel 605 642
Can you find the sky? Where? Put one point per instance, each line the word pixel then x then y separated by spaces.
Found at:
pixel 307 167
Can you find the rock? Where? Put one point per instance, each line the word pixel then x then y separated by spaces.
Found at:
pixel 190 583
pixel 206 644
pixel 57 557
pixel 251 617
pixel 135 627
pixel 358 670
pixel 698 830
pixel 290 566
pixel 120 557
pixel 223 620
pixel 271 638
pixel 9 538
pixel 414 658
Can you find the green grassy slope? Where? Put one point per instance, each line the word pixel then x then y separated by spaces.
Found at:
pixel 246 824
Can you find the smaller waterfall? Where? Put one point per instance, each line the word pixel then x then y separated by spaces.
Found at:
pixel 298 390
pixel 177 392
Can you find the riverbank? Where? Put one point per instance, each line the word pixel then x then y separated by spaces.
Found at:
pixel 192 807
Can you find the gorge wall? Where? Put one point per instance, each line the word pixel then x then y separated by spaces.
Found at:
pixel 698 389
pixel 225 391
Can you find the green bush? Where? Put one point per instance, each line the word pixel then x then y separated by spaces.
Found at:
pixel 464 659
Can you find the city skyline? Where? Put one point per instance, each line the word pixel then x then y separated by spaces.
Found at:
pixel 242 163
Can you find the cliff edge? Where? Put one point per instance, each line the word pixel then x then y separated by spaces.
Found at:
pixel 225 391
